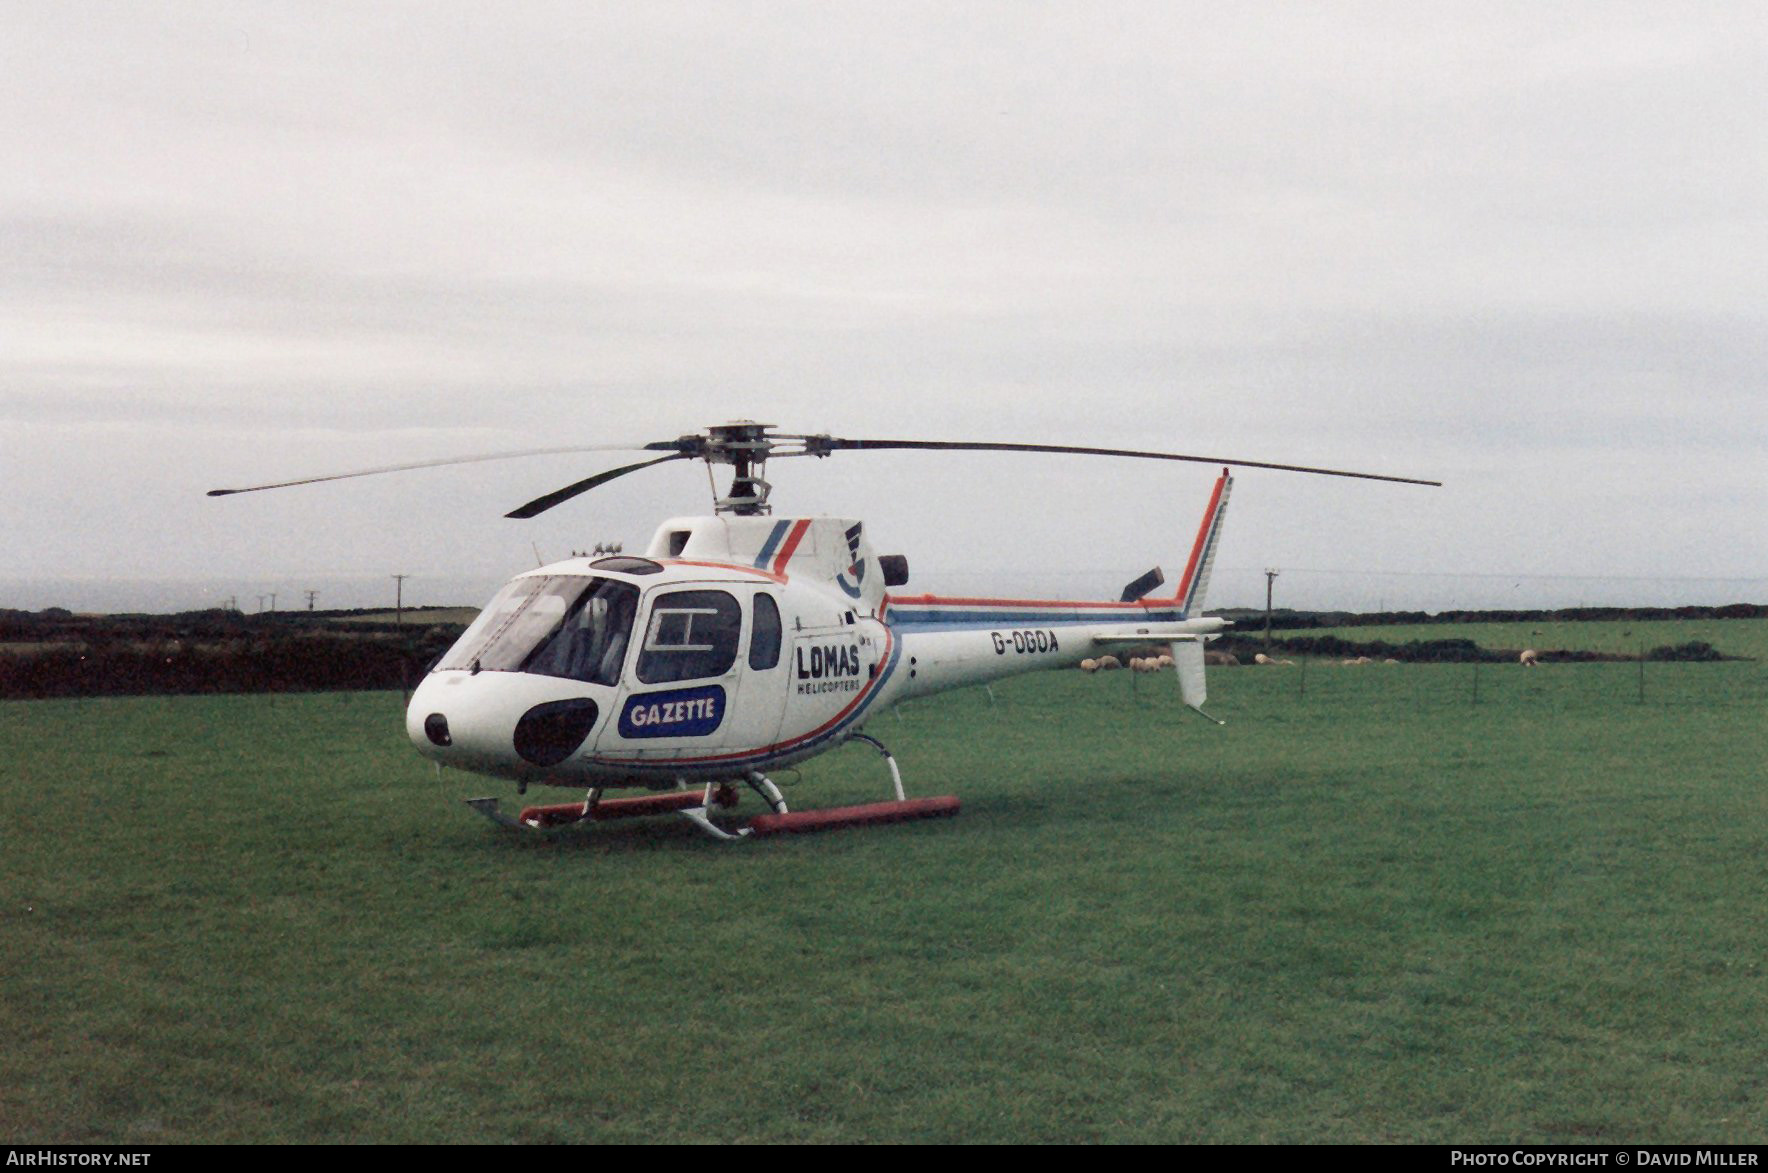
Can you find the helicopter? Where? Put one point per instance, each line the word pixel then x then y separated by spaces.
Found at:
pixel 742 643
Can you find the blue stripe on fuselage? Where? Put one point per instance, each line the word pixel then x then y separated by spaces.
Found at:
pixel 954 619
pixel 773 539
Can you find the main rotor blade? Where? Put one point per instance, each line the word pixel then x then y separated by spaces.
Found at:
pixel 558 496
pixel 836 442
pixel 369 472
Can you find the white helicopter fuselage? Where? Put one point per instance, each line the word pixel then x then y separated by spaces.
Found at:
pixel 738 644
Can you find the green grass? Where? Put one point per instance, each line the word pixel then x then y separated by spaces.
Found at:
pixel 1369 909
pixel 1733 637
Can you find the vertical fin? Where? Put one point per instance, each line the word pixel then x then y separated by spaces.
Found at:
pixel 1188 660
pixel 1195 582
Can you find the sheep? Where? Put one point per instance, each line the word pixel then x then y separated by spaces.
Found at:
pixel 1530 658
pixel 1089 665
pixel 1107 663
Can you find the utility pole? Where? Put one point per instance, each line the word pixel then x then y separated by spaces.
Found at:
pixel 311 595
pixel 273 601
pixel 1271 574
pixel 261 599
pixel 399 599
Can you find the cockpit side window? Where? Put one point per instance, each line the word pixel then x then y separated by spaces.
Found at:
pixel 495 622
pixel 690 635
pixel 559 625
pixel 590 643
pixel 764 638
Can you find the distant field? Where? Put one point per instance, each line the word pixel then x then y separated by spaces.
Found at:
pixel 1424 903
pixel 1734 637
pixel 456 615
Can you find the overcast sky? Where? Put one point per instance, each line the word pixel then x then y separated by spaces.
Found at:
pixel 1521 248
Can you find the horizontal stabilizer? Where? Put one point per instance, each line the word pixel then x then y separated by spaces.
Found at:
pixel 1160 633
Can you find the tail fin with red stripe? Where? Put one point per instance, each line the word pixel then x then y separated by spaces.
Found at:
pixel 1196 578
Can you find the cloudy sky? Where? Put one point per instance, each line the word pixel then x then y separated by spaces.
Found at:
pixel 1515 247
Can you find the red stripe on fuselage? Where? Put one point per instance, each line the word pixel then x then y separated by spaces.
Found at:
pixel 767 574
pixel 956 601
pixel 790 545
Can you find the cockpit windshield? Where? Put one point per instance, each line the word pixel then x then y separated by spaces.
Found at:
pixel 556 625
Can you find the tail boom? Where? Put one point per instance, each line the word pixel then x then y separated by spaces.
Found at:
pixel 954 641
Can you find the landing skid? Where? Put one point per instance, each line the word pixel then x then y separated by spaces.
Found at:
pixel 869 814
pixel 595 808
pixel 490 809
pixel 695 805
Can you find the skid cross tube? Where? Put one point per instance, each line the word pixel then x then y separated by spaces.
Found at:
pixel 895 774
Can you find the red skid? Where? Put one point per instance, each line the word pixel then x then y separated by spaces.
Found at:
pixel 869 814
pixel 615 808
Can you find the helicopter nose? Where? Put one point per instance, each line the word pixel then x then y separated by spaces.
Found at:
pixel 545 735
pixel 501 722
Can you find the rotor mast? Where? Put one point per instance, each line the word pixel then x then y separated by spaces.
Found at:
pixel 744 446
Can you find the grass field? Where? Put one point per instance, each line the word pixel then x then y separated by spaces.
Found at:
pixel 1733 637
pixel 1369 909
